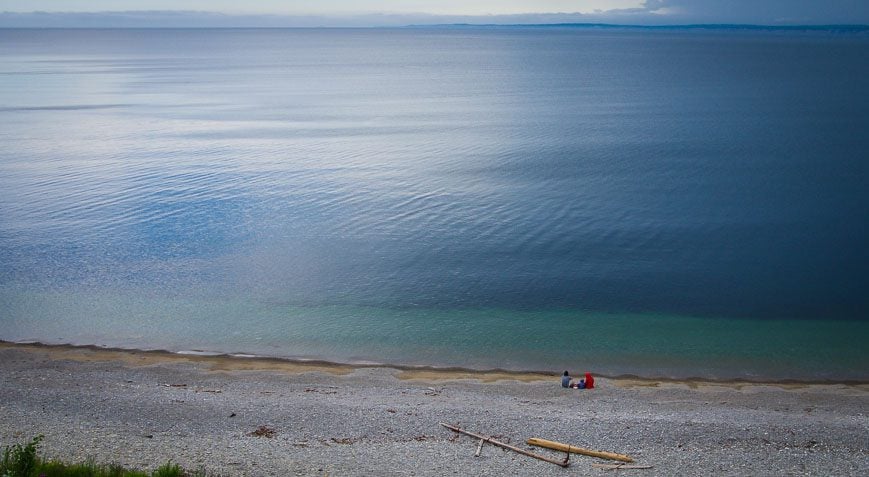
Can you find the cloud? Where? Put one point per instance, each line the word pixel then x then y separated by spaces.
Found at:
pixel 766 12
pixel 325 7
pixel 651 12
pixel 164 19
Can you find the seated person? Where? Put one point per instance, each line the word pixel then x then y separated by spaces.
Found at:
pixel 565 380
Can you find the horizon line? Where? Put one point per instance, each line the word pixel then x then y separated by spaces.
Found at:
pixel 210 19
pixel 719 26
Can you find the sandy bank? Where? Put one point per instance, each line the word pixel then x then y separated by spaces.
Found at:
pixel 142 408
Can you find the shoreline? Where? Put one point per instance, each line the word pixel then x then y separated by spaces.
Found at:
pixel 227 362
pixel 142 408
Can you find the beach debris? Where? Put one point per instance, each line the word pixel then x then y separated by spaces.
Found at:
pixel 484 439
pixel 232 415
pixel 264 431
pixel 320 391
pixel 343 440
pixel 620 466
pixel 175 385
pixel 571 449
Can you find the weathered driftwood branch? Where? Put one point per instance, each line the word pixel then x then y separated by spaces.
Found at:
pixel 507 446
pixel 534 441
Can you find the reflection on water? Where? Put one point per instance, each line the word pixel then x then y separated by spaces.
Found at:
pixel 563 177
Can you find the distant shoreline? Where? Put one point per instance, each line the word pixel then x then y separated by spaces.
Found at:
pixel 690 26
pixel 59 21
pixel 229 362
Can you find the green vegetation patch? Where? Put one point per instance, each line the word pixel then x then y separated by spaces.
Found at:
pixel 24 461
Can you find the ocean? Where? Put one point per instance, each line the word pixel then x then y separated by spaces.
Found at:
pixel 662 203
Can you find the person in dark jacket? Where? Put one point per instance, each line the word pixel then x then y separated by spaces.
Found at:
pixel 565 380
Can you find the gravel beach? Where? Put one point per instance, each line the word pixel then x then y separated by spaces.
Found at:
pixel 141 409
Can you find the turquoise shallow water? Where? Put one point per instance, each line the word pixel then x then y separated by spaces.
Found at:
pixel 661 203
pixel 613 344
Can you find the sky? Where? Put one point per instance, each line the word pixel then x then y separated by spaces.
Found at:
pixel 374 12
pixel 295 7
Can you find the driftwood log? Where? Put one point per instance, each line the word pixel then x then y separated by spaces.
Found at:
pixel 534 441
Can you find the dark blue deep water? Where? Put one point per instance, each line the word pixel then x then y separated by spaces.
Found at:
pixel 661 203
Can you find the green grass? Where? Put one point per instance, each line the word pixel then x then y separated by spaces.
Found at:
pixel 23 461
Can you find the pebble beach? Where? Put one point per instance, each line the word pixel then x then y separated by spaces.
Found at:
pixel 237 416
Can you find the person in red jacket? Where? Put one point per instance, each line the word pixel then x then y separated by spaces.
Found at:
pixel 586 383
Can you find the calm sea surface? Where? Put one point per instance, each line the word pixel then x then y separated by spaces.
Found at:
pixel 660 203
